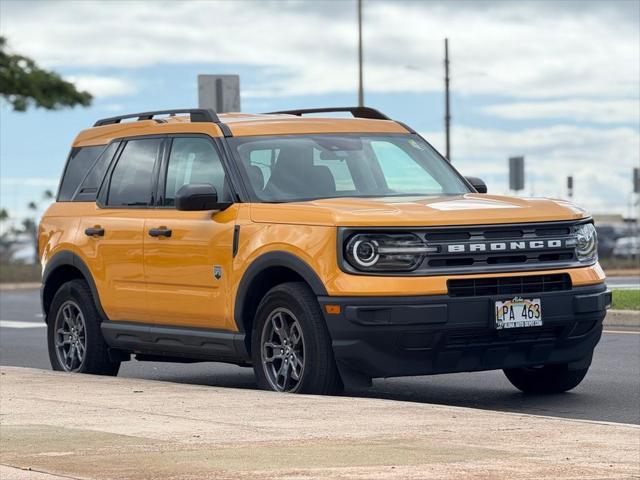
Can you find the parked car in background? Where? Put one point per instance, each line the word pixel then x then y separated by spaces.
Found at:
pixel 607 236
pixel 627 247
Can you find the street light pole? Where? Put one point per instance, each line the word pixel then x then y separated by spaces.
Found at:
pixel 447 113
pixel 360 82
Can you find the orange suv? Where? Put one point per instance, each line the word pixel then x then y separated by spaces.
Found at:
pixel 321 251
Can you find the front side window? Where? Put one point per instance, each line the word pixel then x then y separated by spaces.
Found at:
pixel 295 167
pixel 132 177
pixel 191 161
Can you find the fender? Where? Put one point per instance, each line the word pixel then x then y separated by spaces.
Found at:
pixel 67 257
pixel 274 259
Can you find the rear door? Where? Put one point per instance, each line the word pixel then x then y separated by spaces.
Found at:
pixel 111 237
pixel 188 255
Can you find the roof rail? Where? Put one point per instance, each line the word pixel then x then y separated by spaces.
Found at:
pixel 196 115
pixel 357 112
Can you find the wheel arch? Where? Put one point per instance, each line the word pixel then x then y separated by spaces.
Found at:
pixel 61 268
pixel 267 271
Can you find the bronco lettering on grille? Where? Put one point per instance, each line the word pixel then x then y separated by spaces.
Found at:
pixel 505 246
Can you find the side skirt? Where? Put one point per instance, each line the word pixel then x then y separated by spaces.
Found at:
pixel 182 342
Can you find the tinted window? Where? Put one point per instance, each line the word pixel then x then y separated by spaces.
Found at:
pixel 91 183
pixel 80 161
pixel 193 160
pixel 132 178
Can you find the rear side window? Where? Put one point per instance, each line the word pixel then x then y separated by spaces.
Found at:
pixel 80 161
pixel 132 178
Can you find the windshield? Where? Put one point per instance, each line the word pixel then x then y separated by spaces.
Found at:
pixel 294 167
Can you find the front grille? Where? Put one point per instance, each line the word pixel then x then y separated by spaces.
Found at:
pixel 525 284
pixel 493 248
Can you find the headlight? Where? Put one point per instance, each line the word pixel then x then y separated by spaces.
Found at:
pixel 586 242
pixel 385 252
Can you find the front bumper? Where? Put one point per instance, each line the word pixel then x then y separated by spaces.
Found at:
pixel 400 336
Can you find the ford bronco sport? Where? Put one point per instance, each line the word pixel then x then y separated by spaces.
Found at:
pixel 321 251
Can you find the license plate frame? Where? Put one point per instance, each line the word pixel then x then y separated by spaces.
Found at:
pixel 517 312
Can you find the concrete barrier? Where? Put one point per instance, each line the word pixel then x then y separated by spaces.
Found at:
pixel 81 426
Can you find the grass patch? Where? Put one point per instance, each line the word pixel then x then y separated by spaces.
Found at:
pixel 626 299
pixel 17 272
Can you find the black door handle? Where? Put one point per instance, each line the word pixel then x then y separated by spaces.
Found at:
pixel 96 231
pixel 160 232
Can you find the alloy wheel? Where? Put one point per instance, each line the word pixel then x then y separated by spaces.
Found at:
pixel 70 336
pixel 283 350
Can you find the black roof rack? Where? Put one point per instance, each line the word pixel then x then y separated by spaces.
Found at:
pixel 196 115
pixel 357 112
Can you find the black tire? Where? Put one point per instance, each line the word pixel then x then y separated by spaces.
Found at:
pixel 319 372
pixel 76 294
pixel 546 379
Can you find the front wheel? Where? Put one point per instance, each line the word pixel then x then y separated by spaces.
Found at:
pixel 291 347
pixel 74 337
pixel 546 378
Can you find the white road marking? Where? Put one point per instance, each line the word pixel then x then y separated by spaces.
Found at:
pixel 632 332
pixel 14 324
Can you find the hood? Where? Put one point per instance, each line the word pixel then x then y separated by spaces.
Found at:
pixel 468 209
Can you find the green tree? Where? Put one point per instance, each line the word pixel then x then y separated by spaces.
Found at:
pixel 23 83
pixel 6 241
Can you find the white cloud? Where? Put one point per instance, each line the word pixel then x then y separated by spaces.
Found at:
pixel 519 49
pixel 594 111
pixel 100 86
pixel 601 161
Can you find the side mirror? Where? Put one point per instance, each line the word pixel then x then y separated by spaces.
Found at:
pixel 199 196
pixel 478 184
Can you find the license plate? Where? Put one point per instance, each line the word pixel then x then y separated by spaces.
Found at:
pixel 518 313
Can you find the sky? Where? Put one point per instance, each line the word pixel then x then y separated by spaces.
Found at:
pixel 555 81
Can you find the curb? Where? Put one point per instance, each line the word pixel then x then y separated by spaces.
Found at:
pixel 622 272
pixel 20 286
pixel 622 318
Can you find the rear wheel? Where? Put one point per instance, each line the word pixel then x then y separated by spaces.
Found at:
pixel 74 338
pixel 546 378
pixel 291 347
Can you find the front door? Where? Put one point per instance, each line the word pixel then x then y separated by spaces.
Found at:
pixel 188 255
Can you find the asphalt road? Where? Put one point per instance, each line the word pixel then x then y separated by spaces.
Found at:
pixel 625 282
pixel 610 392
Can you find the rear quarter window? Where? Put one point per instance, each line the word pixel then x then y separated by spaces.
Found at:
pixel 80 161
pixel 88 191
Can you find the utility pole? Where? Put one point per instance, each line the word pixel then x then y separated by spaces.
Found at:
pixel 360 82
pixel 447 112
